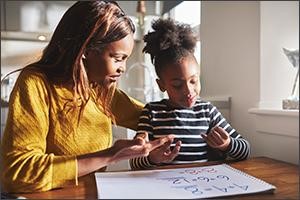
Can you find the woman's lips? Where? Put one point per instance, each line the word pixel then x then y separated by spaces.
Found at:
pixel 114 78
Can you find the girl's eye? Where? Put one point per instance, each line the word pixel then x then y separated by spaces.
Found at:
pixel 194 81
pixel 177 85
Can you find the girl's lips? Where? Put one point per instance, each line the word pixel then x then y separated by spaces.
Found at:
pixel 191 100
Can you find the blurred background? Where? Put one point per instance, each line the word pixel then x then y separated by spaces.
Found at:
pixel 244 71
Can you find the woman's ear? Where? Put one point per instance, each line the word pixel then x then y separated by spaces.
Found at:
pixel 84 55
pixel 160 85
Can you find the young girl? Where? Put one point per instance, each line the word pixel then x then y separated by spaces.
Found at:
pixel 201 132
pixel 62 106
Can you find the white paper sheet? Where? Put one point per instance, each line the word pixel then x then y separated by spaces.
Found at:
pixel 183 183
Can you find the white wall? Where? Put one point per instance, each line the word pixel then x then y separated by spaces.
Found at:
pixel 230 58
pixel 279 28
pixel 236 44
pixel 277 132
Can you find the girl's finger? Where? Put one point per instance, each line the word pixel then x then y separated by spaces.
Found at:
pixel 223 133
pixel 159 142
pixel 142 135
pixel 204 136
pixel 210 141
pixel 174 152
pixel 216 138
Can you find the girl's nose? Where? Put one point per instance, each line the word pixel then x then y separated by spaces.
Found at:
pixel 187 89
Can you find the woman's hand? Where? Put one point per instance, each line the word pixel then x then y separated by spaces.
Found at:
pixel 138 147
pixel 217 138
pixel 124 150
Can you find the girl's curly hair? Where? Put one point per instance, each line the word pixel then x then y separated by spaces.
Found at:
pixel 169 42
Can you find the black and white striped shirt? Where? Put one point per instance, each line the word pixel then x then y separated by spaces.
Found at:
pixel 160 119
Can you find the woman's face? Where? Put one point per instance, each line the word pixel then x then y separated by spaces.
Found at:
pixel 107 66
pixel 182 82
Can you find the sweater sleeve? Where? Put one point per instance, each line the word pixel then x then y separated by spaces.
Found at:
pixel 239 147
pixel 26 165
pixel 126 110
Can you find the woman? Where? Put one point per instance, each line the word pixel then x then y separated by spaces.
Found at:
pixel 62 106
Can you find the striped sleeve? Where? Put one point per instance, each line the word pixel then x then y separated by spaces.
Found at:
pixel 144 125
pixel 240 149
pixel 239 146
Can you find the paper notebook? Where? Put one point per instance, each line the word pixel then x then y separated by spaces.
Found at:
pixel 183 183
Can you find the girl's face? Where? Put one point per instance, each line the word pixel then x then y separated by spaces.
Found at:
pixel 182 82
pixel 107 66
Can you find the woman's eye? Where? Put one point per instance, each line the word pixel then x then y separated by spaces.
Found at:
pixel 118 60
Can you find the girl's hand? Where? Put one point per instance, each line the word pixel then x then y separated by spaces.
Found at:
pixel 163 154
pixel 217 138
pixel 138 147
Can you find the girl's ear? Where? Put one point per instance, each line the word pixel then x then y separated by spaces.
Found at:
pixel 160 85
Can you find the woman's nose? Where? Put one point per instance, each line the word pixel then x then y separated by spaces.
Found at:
pixel 121 69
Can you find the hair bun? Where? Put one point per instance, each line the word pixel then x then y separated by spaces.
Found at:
pixel 168 34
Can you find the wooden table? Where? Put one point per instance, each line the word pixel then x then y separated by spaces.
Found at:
pixel 283 175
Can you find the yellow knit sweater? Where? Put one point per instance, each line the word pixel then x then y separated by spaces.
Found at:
pixel 41 141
